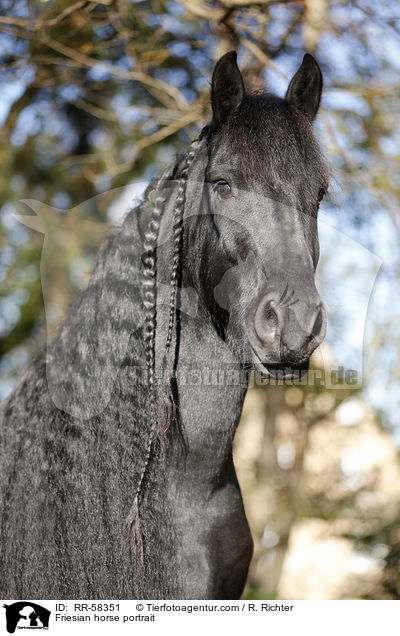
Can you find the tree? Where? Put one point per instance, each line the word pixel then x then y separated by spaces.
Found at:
pixel 97 95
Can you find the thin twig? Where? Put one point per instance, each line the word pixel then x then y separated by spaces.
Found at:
pixel 136 76
pixel 164 132
pixel 202 10
pixel 37 24
pixel 100 113
pixel 261 56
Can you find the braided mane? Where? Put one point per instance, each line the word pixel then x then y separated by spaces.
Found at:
pixel 149 287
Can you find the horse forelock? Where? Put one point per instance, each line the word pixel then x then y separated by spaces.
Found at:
pixel 275 147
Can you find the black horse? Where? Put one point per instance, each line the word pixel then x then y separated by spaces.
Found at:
pixel 116 470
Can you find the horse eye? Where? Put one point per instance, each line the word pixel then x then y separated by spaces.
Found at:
pixel 224 189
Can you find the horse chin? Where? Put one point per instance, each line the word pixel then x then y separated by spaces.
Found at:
pixel 281 370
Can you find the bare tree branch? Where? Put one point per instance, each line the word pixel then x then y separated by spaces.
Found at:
pixel 137 76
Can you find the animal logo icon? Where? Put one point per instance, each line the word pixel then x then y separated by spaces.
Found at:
pixel 25 614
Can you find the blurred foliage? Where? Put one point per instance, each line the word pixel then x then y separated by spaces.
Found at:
pixel 97 94
pixel 321 485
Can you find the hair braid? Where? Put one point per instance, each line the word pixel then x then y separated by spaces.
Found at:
pixel 149 290
pixel 149 287
pixel 178 245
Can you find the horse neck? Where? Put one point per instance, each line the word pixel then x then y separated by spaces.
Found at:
pixel 209 383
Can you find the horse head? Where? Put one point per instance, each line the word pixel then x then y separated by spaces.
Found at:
pixel 256 231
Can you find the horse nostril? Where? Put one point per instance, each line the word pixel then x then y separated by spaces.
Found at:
pixel 269 312
pixel 266 321
pixel 319 328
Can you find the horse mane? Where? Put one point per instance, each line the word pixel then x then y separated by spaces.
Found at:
pixel 164 400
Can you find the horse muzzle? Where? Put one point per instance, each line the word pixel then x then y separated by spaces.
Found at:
pixel 283 336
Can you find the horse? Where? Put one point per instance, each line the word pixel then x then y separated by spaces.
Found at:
pixel 117 473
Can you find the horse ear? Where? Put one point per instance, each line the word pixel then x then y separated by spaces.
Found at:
pixel 227 88
pixel 305 88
